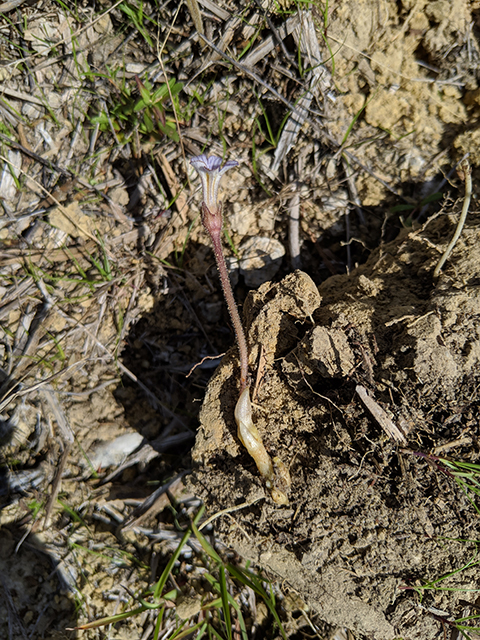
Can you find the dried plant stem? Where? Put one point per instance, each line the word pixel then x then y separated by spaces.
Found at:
pixel 294 228
pixel 467 171
pixel 194 10
pixel 215 237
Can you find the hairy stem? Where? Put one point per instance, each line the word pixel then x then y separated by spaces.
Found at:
pixel 215 236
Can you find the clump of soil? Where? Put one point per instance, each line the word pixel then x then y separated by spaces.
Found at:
pixel 367 517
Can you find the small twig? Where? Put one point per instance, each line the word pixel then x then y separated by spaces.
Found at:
pixel 195 12
pixel 260 371
pixel 347 243
pixel 67 436
pixel 467 174
pixel 31 154
pixel 74 140
pixel 244 505
pixel 199 364
pixel 93 139
pixel 380 415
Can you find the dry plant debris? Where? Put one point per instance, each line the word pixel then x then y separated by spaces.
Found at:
pixel 347 119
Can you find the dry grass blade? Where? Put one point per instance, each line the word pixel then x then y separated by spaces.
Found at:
pixel 196 16
pixel 467 176
pixel 175 188
pixel 68 439
pixel 20 95
pixel 269 43
pixel 317 82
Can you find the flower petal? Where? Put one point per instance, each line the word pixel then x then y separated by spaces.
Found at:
pixel 212 163
pixel 210 170
pixel 229 164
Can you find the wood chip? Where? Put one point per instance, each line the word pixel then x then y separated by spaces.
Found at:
pixel 19 95
pixel 380 415
pixel 215 9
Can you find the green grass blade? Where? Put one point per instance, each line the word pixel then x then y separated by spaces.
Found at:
pixel 250 580
pixel 225 604
pixel 166 572
pixel 213 632
pixel 352 123
pixel 241 621
pixel 433 197
pixel 332 57
pixel 201 633
pixel 111 619
pixel 230 242
pixel 158 623
pixel 183 633
pixel 207 547
pixel 270 137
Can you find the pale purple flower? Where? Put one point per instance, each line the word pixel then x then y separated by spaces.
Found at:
pixel 210 169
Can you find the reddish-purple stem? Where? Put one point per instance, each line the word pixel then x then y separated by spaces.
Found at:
pixel 213 226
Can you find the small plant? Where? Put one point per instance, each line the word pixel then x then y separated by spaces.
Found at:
pixel 274 472
pixel 467 477
pixel 145 112
pixel 137 17
pixel 465 474
pixel 411 209
pixel 447 583
pixel 267 129
pixel 218 613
